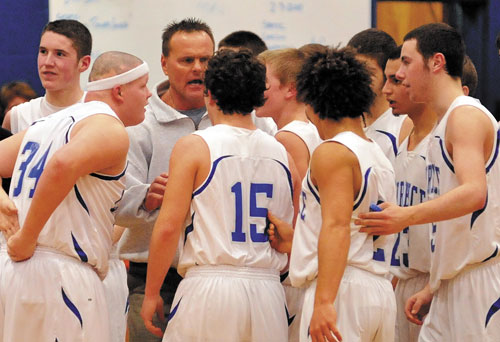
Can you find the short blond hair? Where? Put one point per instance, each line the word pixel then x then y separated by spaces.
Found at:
pixel 286 63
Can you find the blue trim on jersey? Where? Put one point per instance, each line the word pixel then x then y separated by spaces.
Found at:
pixel 493 310
pixel 210 176
pixel 443 153
pixel 283 276
pixel 495 155
pixel 476 214
pixel 312 189
pixel 69 129
pixel 363 192
pixel 189 229
pixel 80 199
pixel 495 253
pixel 173 312
pixel 83 256
pixel 72 307
pixel 110 178
pixel 127 306
pixel 393 140
pixel 289 319
pixel 289 176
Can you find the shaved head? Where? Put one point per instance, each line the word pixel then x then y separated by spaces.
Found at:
pixel 113 63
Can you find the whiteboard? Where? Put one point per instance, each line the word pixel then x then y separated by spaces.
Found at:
pixel 135 26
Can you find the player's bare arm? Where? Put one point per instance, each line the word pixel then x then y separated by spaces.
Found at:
pixel 336 173
pixel 187 170
pixel 9 222
pixel 469 139
pixel 297 149
pixel 6 120
pixel 84 154
pixel 405 130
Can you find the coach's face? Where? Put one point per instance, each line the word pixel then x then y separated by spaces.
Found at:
pixel 414 72
pixel 185 67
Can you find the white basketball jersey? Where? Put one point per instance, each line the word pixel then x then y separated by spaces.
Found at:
pixel 472 238
pixel 385 132
pixel 305 131
pixel 366 251
pixel 248 177
pixel 411 254
pixel 24 114
pixel 82 224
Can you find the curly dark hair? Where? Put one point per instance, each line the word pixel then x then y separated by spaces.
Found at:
pixel 335 84
pixel 236 81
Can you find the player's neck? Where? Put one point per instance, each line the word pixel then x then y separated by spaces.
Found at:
pixel 423 122
pixel 379 107
pixel 447 90
pixel 234 119
pixel 330 128
pixel 64 97
pixel 293 111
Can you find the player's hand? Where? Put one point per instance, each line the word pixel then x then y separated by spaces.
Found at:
pixel 154 197
pixel 392 219
pixel 9 221
pixel 280 234
pixel 323 326
pixel 150 306
pixel 20 247
pixel 417 306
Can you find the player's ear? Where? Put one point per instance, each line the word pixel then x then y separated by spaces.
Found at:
pixel 84 63
pixel 291 91
pixel 437 62
pixel 116 93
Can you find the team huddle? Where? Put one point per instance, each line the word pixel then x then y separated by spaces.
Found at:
pixel 300 194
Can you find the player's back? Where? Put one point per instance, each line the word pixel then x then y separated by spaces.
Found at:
pixel 81 225
pixel 365 251
pixel 249 175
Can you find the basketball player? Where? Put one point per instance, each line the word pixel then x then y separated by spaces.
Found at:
pixel 224 179
pixel 64 53
pixel 373 47
pixel 347 295
pixel 299 136
pixel 411 254
pixel 67 178
pixel 463 175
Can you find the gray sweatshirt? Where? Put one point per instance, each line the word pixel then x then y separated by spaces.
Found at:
pixel 151 144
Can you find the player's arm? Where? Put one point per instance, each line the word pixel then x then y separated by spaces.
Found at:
pixel 9 148
pixel 405 130
pixel 98 144
pixel 297 149
pixel 296 184
pixel 184 166
pixel 333 170
pixel 469 138
pixel 6 120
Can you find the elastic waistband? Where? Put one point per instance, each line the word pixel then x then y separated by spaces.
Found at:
pixel 45 252
pixel 477 266
pixel 233 271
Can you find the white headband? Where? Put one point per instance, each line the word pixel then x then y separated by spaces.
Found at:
pixel 124 78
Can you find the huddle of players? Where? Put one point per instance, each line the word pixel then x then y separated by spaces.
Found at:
pixel 227 178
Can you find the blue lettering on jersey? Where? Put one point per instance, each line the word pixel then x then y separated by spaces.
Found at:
pixel 432 179
pixel 238 235
pixel 303 198
pixel 35 171
pixel 402 243
pixel 409 194
pixel 434 231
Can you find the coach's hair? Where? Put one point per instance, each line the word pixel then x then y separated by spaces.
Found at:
pixel 440 38
pixel 335 84
pixel 78 33
pixel 373 43
pixel 187 25
pixel 286 63
pixel 244 39
pixel 469 76
pixel 236 80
